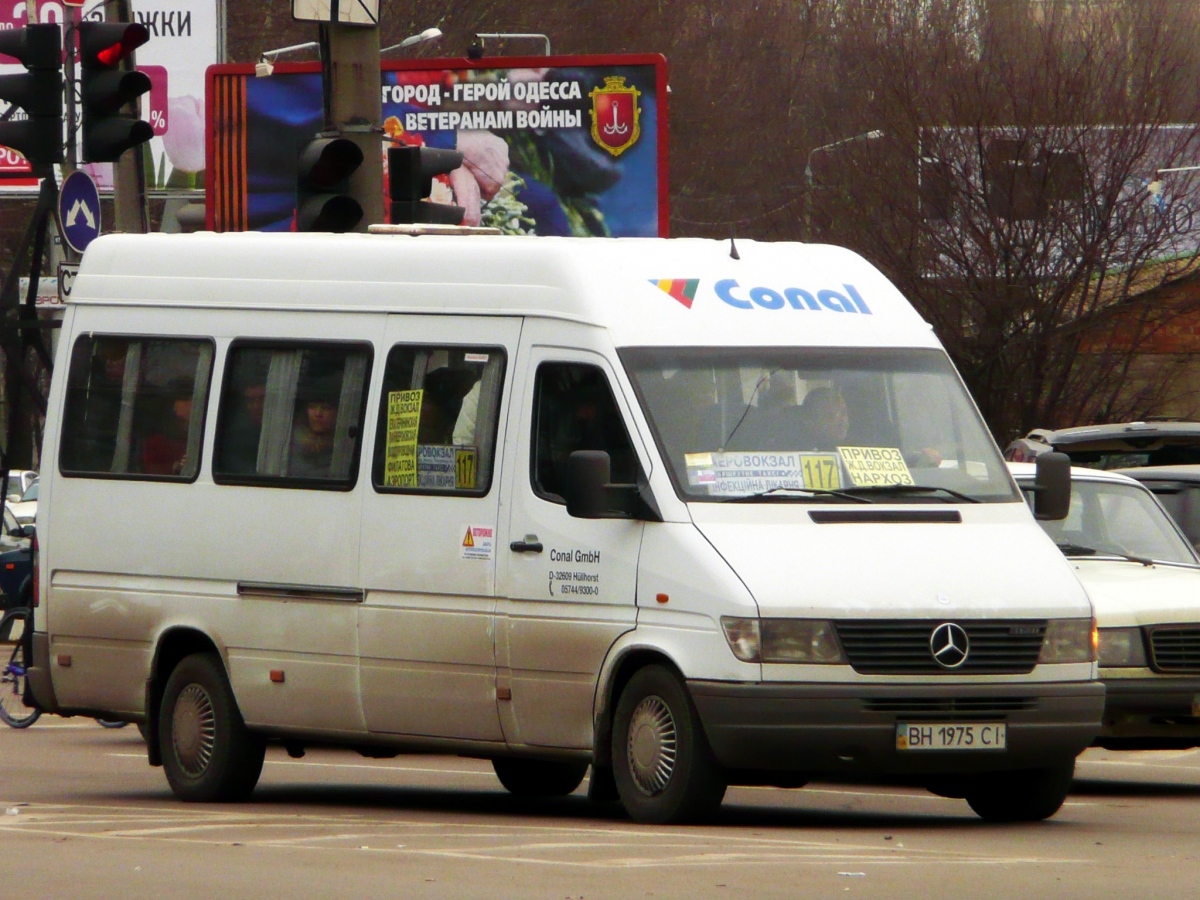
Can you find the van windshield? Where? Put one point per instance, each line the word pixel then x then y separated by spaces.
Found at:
pixel 832 425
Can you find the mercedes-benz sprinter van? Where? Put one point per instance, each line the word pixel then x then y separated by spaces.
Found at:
pixel 690 514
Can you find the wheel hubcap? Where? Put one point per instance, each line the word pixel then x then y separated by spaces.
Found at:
pixel 193 730
pixel 651 746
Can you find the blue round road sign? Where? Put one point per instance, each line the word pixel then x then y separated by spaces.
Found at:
pixel 79 210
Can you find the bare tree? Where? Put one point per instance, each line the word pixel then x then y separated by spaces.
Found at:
pixel 1017 200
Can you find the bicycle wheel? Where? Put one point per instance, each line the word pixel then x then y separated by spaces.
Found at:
pixel 13 710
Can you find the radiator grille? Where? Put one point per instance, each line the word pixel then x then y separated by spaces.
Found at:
pixel 890 647
pixel 1176 649
pixel 946 706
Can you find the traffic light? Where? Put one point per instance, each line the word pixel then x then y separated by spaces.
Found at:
pixel 323 201
pixel 411 171
pixel 105 88
pixel 39 92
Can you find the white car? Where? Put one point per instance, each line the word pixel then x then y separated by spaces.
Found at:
pixel 19 481
pixel 25 509
pixel 1143 576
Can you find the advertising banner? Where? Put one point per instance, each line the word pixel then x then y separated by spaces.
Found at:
pixel 552 145
pixel 183 44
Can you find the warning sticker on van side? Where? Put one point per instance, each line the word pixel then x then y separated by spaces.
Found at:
pixel 404 418
pixel 870 466
pixel 478 541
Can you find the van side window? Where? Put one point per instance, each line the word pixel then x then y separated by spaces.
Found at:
pixel 437 419
pixel 135 407
pixel 574 410
pixel 291 414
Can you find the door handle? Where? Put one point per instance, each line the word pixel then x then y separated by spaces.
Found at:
pixel 530 545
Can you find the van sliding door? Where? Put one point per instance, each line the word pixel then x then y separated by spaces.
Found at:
pixel 426 626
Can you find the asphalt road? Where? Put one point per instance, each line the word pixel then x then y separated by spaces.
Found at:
pixel 82 815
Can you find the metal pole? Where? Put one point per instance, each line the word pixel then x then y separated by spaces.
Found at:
pixel 129 172
pixel 355 108
pixel 70 111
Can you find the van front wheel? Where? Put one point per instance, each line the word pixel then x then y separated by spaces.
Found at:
pixel 1028 796
pixel 663 766
pixel 539 778
pixel 207 752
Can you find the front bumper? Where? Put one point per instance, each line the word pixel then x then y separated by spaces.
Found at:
pixel 849 729
pixel 1160 711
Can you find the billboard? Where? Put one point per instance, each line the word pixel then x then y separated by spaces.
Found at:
pixel 183 44
pixel 553 145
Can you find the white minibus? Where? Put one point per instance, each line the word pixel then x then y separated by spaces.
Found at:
pixel 687 513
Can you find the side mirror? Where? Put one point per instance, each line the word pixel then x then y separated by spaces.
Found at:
pixel 28 530
pixel 1052 487
pixel 12 626
pixel 585 487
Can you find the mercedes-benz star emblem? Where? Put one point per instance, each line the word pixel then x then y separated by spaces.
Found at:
pixel 949 645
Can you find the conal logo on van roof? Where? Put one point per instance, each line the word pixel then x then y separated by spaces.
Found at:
pixel 682 289
pixel 729 291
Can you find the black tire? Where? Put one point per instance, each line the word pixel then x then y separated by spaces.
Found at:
pixel 663 766
pixel 207 752
pixel 13 711
pixel 539 777
pixel 111 723
pixel 1028 796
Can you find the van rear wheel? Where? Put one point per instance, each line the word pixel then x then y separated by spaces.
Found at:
pixel 663 766
pixel 207 752
pixel 1028 796
pixel 538 777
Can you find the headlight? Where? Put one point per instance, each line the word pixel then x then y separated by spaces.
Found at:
pixel 1122 647
pixel 800 641
pixel 1068 641
pixel 782 640
pixel 743 637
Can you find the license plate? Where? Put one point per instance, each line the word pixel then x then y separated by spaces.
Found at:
pixel 951 735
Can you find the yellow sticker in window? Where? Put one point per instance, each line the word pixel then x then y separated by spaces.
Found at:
pixel 465 468
pixel 403 421
pixel 821 471
pixel 873 466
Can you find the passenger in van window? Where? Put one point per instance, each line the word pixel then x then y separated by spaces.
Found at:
pixel 96 408
pixel 164 452
pixel 243 431
pixel 825 419
pixel 464 425
pixel 439 407
pixel 312 434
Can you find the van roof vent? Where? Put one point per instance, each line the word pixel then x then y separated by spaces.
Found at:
pixel 416 230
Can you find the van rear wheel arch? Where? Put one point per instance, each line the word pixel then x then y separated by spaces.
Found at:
pixel 174 646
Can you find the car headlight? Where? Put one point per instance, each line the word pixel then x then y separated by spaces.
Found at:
pixel 1068 641
pixel 800 641
pixel 1122 647
pixel 783 640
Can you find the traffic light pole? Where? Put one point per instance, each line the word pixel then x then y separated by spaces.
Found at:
pixel 130 213
pixel 354 109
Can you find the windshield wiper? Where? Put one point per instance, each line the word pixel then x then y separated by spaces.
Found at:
pixel 913 489
pixel 786 493
pixel 1077 550
pixel 1069 549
